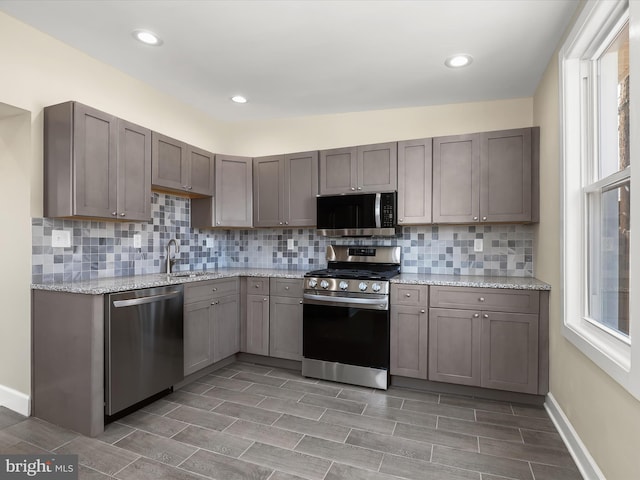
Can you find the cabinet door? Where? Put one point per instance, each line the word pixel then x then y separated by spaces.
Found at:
pixel 377 167
pixel 456 179
pixel 234 191
pixel 409 341
pixel 510 351
pixel 454 346
pixel 414 182
pixel 226 327
pixel 168 163
pixel 268 189
pixel 338 171
pixel 198 347
pixel 300 189
pixel 96 171
pixel 201 171
pixel 257 331
pixel 134 171
pixel 505 176
pixel 285 328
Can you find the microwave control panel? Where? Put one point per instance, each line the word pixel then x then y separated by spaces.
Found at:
pixel 388 207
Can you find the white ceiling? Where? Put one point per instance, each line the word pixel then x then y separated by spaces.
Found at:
pixel 310 57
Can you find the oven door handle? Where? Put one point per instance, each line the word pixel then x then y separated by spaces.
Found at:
pixel 366 303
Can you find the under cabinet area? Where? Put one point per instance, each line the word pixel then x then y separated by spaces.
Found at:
pixel 367 168
pixel 409 330
pixel 211 322
pixel 489 338
pixel 285 189
pixel 181 168
pixel 95 165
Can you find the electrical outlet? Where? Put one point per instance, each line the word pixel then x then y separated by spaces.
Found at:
pixel 208 242
pixel 61 238
pixel 478 245
pixel 290 245
pixel 137 240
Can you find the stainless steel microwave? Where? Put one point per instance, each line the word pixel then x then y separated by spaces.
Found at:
pixel 358 215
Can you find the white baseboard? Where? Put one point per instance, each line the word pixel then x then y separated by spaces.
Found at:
pixel 15 400
pixel 584 461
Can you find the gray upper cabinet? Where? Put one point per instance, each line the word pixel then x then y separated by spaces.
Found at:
pixel 486 177
pixel 181 168
pixel 96 165
pixel 414 181
pixel 285 189
pixel 232 204
pixel 368 168
pixel 456 179
pixel 505 176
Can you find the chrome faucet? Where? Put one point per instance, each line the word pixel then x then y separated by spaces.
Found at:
pixel 171 261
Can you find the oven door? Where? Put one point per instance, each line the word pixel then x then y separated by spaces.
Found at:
pixel 347 330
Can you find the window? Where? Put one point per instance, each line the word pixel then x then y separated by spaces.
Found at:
pixel 598 206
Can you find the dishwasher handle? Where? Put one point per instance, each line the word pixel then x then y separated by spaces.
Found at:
pixel 142 300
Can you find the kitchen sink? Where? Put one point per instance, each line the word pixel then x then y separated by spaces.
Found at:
pixel 188 274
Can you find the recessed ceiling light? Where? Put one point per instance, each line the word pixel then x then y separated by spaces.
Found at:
pixel 457 61
pixel 238 99
pixel 147 37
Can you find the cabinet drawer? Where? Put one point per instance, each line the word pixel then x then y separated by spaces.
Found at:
pixel 491 299
pixel 415 295
pixel 257 286
pixel 286 287
pixel 207 289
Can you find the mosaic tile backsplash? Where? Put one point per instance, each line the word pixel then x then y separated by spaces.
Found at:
pixel 105 249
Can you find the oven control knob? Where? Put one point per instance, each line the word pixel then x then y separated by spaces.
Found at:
pixel 324 284
pixel 312 283
pixel 343 285
pixel 363 286
pixel 375 287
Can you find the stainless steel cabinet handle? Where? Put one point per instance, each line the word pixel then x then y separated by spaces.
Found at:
pixel 476 315
pixel 407 295
pixel 359 188
pixel 353 189
pixel 286 288
pixel 257 285
pixel 401 220
pixel 286 223
pixel 300 302
pixel 123 214
pixel 481 299
pixel 190 187
pixel 484 219
pixel 214 289
pixel 422 311
pixel 486 316
pixel 280 223
pixel 218 222
pixel 475 218
pixel 114 213
pixel 265 299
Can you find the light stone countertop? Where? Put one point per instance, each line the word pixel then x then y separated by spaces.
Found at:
pixel 515 283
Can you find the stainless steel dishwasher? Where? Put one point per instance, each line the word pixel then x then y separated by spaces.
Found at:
pixel 144 352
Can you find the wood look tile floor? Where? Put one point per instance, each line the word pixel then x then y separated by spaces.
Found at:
pixel 252 422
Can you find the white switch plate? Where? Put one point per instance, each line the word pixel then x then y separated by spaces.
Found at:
pixel 61 238
pixel 208 242
pixel 137 240
pixel 290 243
pixel 478 245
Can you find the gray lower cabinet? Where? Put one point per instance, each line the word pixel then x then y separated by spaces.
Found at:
pixel 409 331
pixel 256 328
pixel 95 165
pixel 211 322
pixel 488 338
pixel 366 168
pixel 181 168
pixel 414 181
pixel 285 189
pixel 486 177
pixel 285 319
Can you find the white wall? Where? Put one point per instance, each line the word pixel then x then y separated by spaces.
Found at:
pixel 605 416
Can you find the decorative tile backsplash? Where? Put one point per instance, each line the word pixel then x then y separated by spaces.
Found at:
pixel 105 249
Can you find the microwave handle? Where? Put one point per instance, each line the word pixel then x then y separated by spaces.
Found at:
pixel 377 211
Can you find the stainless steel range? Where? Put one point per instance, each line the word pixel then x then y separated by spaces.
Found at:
pixel 346 316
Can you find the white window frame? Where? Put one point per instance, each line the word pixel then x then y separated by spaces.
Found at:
pixel 597 23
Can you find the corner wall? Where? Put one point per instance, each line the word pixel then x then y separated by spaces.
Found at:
pixel 604 415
